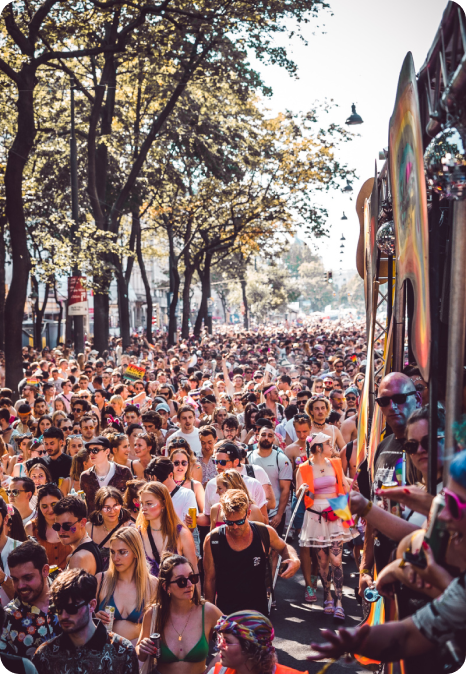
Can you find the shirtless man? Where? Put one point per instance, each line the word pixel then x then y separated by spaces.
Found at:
pixel 318 408
pixel 296 452
pixel 349 427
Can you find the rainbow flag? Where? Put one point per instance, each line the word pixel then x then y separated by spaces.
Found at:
pixel 340 506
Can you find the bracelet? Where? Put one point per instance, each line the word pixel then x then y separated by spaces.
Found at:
pixel 363 571
pixel 366 510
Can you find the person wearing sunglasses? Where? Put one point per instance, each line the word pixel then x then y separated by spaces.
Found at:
pixel 187 472
pixel 430 627
pixel 20 492
pixel 70 524
pixel 58 463
pixel 239 549
pixel 184 622
pixel 83 646
pixel 103 473
pixel 41 527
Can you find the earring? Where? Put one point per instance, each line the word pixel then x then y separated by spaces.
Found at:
pixel 100 519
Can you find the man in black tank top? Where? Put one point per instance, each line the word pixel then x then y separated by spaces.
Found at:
pixel 236 555
pixel 71 519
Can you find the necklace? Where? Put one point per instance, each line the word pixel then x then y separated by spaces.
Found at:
pixel 101 479
pixel 180 634
pixel 156 529
pixel 314 423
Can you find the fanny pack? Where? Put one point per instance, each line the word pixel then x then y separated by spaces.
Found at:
pixel 328 514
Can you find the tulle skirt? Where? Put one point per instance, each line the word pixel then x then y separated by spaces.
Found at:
pixel 318 532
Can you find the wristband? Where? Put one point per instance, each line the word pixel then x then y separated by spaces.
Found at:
pixel 366 510
pixel 363 571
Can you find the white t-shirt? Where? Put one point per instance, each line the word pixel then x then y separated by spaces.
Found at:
pixel 277 466
pixel 289 428
pixel 183 500
pixel 191 438
pixel 255 489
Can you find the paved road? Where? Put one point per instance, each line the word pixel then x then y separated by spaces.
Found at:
pixel 297 623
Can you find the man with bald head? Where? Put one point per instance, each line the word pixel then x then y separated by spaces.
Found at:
pixel 397 398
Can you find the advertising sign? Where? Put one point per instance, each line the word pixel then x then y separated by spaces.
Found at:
pixel 77 296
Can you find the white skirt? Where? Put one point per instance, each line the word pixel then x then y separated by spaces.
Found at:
pixel 318 532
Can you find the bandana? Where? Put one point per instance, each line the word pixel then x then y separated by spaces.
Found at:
pixel 251 626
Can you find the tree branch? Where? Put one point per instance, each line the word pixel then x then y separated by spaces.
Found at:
pixel 19 38
pixel 9 72
pixel 38 18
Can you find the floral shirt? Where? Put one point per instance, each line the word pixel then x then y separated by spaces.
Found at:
pixel 104 653
pixel 26 628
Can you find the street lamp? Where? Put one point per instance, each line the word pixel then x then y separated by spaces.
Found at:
pixel 354 118
pixel 344 216
pixel 348 187
pixel 78 320
pixel 342 238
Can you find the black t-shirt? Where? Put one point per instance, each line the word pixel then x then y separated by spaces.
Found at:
pixel 387 467
pixel 387 461
pixel 58 467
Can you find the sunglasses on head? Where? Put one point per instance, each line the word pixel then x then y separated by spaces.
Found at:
pixel 177 442
pixel 180 463
pixel 183 581
pixel 239 523
pixel 66 526
pixel 71 609
pixel 221 462
pixel 454 505
pixel 397 398
pixel 412 446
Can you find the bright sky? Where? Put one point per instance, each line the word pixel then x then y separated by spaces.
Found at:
pixel 356 57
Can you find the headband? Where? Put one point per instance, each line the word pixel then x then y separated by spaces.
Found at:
pixel 270 389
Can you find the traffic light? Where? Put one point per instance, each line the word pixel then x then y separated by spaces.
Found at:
pixel 329 277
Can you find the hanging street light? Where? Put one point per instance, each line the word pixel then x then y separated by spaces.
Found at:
pixel 342 238
pixel 348 187
pixel 344 216
pixel 354 118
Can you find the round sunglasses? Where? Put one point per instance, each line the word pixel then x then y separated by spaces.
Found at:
pixel 412 446
pixel 454 505
pixel 180 463
pixel 66 526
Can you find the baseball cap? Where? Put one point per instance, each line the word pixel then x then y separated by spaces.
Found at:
pixel 100 440
pixel 162 406
pixel 230 449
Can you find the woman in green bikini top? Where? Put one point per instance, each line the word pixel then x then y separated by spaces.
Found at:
pixel 184 622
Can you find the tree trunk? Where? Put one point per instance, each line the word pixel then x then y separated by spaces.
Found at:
pixel 188 278
pixel 2 282
pixel 174 289
pixel 245 304
pixel 204 275
pixel 18 155
pixel 60 311
pixel 101 325
pixel 145 280
pixel 40 313
pixel 123 306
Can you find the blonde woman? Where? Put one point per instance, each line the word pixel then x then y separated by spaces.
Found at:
pixel 118 404
pixel 73 444
pixel 127 585
pixel 184 621
pixel 160 527
pixel 231 479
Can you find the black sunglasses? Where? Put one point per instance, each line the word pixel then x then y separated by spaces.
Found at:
pixel 40 452
pixel 397 398
pixel 71 609
pixel 239 523
pixel 183 582
pixel 66 428
pixel 221 462
pixel 412 446
pixel 66 526
pixel 180 463
pixel 96 450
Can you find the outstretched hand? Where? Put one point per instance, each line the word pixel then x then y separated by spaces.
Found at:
pixel 413 497
pixel 345 641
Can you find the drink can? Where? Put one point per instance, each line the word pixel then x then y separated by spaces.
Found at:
pixel 371 595
pixel 110 610
pixel 193 515
pixel 155 638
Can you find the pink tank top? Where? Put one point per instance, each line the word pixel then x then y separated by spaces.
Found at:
pixel 325 485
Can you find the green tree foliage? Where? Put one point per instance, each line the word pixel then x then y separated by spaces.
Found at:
pixel 352 294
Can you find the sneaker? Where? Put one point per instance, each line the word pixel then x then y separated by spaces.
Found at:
pixel 310 595
pixel 290 536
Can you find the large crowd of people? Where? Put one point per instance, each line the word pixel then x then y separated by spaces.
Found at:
pixel 145 498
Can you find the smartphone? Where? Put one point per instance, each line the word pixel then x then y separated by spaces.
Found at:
pixel 418 560
pixel 283 568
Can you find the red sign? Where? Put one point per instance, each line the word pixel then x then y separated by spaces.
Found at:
pixel 77 296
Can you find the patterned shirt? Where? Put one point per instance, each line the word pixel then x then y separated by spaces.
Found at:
pixel 104 653
pixel 26 628
pixel 209 470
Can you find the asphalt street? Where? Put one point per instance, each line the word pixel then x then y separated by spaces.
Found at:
pixel 297 623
